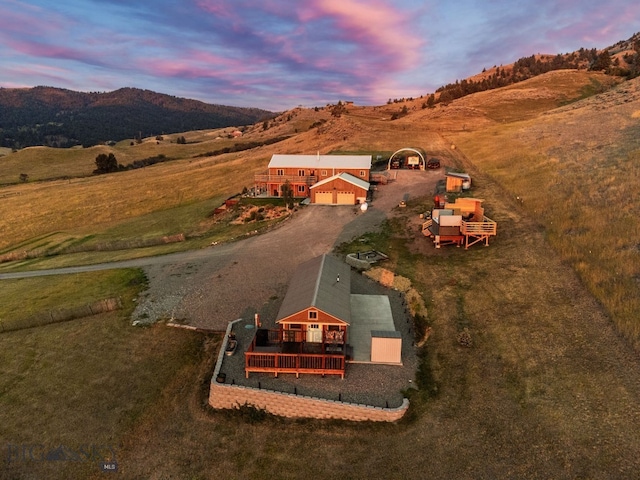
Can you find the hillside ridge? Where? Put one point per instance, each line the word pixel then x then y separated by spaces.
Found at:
pixel 58 117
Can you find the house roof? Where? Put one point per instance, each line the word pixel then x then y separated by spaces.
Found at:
pixel 347 177
pixel 324 283
pixel 321 161
pixel 464 176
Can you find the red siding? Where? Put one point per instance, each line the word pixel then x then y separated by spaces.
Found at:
pixel 303 317
pixel 338 185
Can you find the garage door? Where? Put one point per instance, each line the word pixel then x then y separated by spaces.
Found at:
pixel 324 197
pixel 346 198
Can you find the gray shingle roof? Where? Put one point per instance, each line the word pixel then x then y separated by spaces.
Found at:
pixel 321 161
pixel 315 284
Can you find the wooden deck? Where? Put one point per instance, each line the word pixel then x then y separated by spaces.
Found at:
pixel 470 233
pixel 475 232
pixel 293 179
pixel 276 362
pixel 269 356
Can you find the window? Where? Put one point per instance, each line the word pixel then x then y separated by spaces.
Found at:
pixel 313 315
pixel 362 173
pixel 324 173
pixel 301 189
pixel 301 173
pixel 295 326
pixel 314 326
pixel 280 172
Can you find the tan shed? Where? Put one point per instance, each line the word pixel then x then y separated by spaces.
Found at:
pixel 386 347
pixel 457 182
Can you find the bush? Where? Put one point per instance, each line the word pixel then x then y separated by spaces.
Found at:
pixel 464 338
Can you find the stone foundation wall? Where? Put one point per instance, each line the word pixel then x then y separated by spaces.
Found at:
pixel 298 406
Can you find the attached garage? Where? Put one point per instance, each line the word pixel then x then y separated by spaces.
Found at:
pixel 346 198
pixel 324 198
pixel 341 189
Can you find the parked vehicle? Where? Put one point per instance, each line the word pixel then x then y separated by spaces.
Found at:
pixel 433 163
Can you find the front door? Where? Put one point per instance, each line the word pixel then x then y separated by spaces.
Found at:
pixel 314 333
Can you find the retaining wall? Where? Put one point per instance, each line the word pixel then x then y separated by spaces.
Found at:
pixel 298 406
pixel 357 263
pixel 222 395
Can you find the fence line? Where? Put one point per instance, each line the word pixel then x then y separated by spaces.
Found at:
pixel 62 315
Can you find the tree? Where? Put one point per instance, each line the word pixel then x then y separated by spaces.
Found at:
pixel 287 194
pixel 602 62
pixel 338 109
pixel 106 163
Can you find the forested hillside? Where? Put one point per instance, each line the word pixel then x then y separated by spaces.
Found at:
pixel 63 118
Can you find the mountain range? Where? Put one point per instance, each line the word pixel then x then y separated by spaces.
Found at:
pixel 64 118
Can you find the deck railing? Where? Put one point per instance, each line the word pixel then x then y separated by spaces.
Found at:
pixel 425 227
pixel 266 178
pixel 294 363
pixel 486 227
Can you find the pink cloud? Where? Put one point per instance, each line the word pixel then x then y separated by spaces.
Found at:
pixel 217 7
pixel 42 50
pixel 199 64
pixel 47 73
pixel 373 24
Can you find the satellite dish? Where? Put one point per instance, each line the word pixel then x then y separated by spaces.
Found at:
pixel 364 207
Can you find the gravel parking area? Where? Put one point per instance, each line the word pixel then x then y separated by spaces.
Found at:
pixel 209 289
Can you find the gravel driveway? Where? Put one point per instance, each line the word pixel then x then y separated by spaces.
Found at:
pixel 238 279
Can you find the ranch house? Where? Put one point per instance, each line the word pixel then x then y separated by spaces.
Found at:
pixel 312 323
pixel 321 326
pixel 343 179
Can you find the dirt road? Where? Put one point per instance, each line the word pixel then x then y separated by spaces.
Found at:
pixel 239 279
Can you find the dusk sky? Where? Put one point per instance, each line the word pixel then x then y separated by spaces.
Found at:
pixel 278 54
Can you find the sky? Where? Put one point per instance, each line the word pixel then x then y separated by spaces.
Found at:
pixel 279 54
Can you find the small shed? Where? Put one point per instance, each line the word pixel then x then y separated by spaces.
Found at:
pixel 467 207
pixel 456 182
pixel 386 347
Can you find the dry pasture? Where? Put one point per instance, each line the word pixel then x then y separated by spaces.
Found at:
pixel 548 389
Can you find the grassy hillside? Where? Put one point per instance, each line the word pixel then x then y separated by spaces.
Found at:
pixel 575 171
pixel 548 389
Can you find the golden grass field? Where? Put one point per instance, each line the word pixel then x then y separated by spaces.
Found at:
pixel 549 389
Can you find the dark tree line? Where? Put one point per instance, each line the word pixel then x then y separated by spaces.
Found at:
pixel 528 67
pixel 109 164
